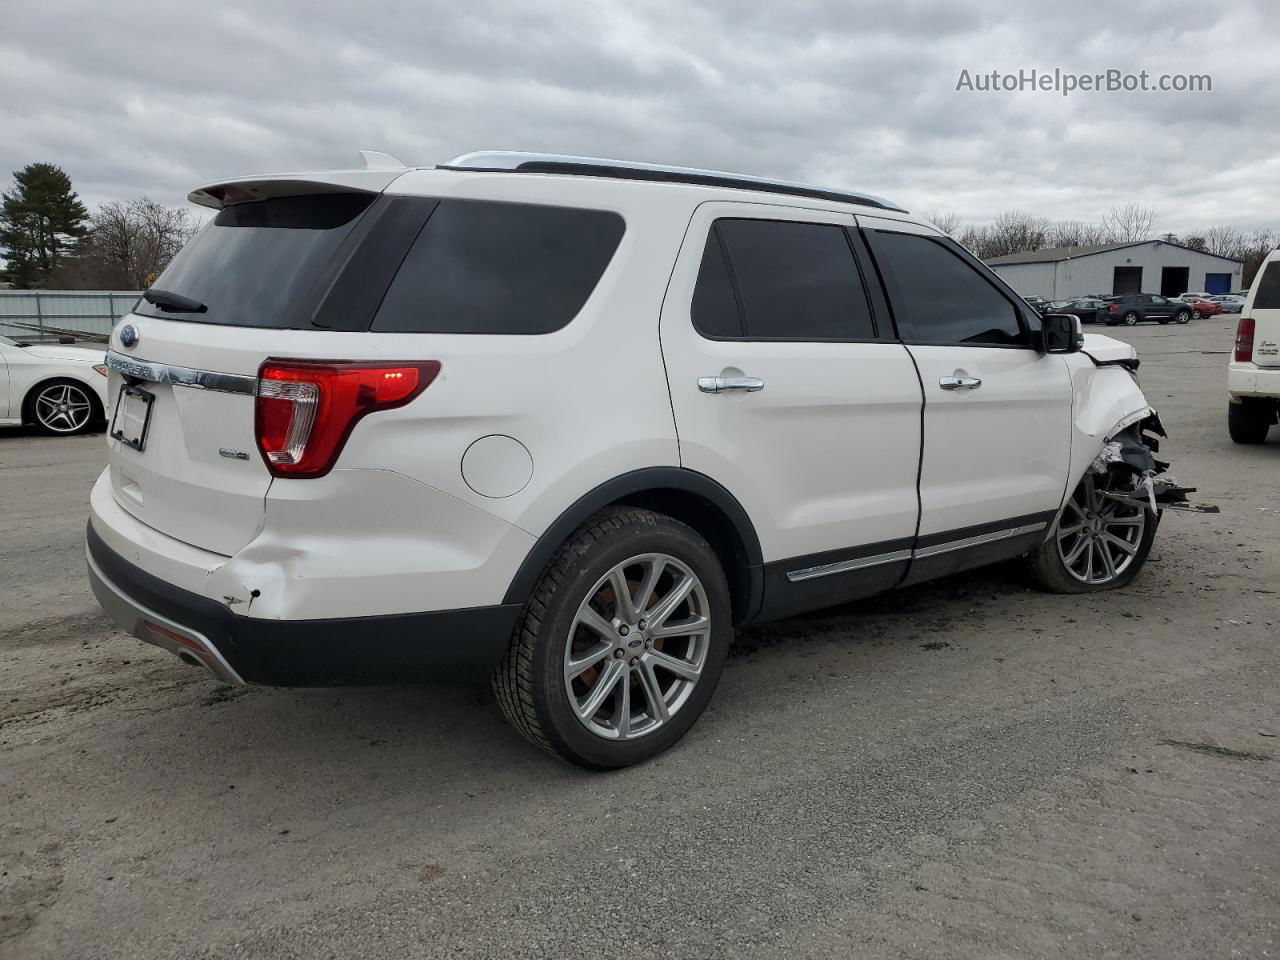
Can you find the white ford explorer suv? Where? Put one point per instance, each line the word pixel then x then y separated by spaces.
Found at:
pixel 567 422
pixel 1253 375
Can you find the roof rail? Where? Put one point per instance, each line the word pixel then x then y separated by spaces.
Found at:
pixel 494 161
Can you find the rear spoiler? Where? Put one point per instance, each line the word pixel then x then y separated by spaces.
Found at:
pixel 379 172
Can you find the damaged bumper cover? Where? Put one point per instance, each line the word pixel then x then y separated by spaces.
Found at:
pixel 1139 476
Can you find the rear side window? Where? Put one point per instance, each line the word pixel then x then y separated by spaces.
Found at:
pixel 501 268
pixel 795 281
pixel 1268 295
pixel 262 264
pixel 942 298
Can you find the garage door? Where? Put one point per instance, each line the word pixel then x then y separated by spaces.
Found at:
pixel 1217 283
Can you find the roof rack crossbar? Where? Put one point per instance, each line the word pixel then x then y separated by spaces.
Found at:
pixel 507 161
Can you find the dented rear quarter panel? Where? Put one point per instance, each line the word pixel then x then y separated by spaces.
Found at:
pixel 1104 400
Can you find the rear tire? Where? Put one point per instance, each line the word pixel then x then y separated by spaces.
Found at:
pixel 1249 420
pixel 641 679
pixel 1096 543
pixel 1129 319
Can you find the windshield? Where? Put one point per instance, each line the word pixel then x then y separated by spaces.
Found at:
pixel 261 264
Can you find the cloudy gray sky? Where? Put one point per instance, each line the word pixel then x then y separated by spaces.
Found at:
pixel 133 98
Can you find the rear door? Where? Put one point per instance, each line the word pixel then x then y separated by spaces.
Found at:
pixel 790 390
pixel 1263 306
pixel 997 413
pixel 183 455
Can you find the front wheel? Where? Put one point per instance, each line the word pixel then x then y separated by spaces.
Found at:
pixel 1182 316
pixel 1097 544
pixel 622 643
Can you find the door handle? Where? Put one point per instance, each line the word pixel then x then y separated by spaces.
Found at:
pixel 726 384
pixel 960 383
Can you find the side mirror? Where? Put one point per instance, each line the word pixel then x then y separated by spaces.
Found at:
pixel 1060 333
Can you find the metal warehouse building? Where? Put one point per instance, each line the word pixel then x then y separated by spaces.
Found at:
pixel 1147 266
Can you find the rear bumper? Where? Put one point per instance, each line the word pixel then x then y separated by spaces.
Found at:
pixel 461 644
pixel 1251 380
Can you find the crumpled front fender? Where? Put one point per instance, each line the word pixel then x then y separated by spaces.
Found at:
pixel 1104 401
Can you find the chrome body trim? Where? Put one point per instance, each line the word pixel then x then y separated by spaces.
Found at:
pixel 510 160
pixel 978 541
pixel 860 563
pixel 181 376
pixel 133 617
pixel 844 566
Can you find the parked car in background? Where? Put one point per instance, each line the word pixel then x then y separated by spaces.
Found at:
pixel 1137 307
pixel 1194 293
pixel 60 390
pixel 1229 302
pixel 1040 303
pixel 377 514
pixel 1203 306
pixel 1253 374
pixel 1088 309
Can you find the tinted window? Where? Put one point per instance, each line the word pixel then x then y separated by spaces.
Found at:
pixel 510 268
pixel 940 296
pixel 262 264
pixel 798 281
pixel 1268 295
pixel 715 308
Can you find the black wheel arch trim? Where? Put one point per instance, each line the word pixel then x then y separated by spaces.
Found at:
pixel 618 489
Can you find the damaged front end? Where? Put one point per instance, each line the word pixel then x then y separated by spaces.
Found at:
pixel 1136 475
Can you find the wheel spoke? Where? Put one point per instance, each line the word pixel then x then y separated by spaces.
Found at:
pixel 644 593
pixel 1088 560
pixel 593 621
pixel 589 659
pixel 1070 558
pixel 599 693
pixel 622 709
pixel 681 668
pixel 1124 545
pixel 624 609
pixel 1108 562
pixel 668 604
pixel 1126 521
pixel 1064 532
pixel 692 625
pixel 653 692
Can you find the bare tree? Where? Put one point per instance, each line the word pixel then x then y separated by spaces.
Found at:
pixel 1016 232
pixel 1224 241
pixel 1129 223
pixel 948 223
pixel 129 245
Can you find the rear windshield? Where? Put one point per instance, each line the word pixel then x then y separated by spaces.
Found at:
pixel 397 264
pixel 261 264
pixel 1268 295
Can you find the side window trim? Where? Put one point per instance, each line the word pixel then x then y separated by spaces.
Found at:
pixel 743 330
pixel 902 318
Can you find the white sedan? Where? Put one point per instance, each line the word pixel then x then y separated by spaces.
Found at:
pixel 59 389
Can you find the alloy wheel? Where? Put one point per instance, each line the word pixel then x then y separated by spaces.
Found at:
pixel 1098 537
pixel 1130 319
pixel 63 408
pixel 637 647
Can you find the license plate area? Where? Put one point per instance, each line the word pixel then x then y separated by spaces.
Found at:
pixel 132 417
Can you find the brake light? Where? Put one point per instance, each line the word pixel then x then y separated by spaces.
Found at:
pixel 1113 307
pixel 1244 340
pixel 306 409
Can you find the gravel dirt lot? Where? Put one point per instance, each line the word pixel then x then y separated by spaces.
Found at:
pixel 961 769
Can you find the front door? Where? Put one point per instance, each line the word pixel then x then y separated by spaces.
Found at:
pixel 789 389
pixel 997 413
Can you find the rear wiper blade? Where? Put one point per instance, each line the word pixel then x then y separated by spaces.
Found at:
pixel 176 302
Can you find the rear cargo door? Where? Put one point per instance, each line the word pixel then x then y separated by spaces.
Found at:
pixel 1264 308
pixel 183 454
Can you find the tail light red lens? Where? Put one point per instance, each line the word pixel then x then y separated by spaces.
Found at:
pixel 1114 307
pixel 1244 340
pixel 306 409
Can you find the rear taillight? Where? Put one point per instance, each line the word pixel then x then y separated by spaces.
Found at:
pixel 306 409
pixel 1114 307
pixel 1244 340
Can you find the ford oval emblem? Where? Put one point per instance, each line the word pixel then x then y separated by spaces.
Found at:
pixel 128 336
